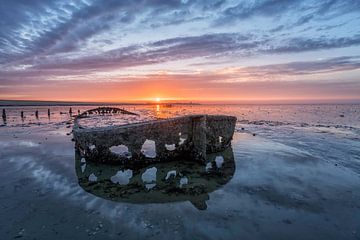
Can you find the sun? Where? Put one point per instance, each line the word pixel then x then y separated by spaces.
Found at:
pixel 157 99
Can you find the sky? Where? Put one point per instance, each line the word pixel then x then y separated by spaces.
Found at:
pixel 189 50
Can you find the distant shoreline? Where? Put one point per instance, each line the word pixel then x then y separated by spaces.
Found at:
pixel 24 103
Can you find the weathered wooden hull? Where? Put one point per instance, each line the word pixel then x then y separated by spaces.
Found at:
pixel 193 136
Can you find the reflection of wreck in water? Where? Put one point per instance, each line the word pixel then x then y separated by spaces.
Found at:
pixel 144 150
pixel 190 137
pixel 164 182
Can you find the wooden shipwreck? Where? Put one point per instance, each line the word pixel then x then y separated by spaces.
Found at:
pixel 186 137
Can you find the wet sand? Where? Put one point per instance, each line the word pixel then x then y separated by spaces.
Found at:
pixel 297 178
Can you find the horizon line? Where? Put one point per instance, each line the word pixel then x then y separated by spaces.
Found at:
pixel 24 102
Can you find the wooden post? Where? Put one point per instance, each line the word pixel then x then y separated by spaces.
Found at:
pixel 37 114
pixel 22 114
pixel 4 114
pixel 70 111
pixel 49 112
pixel 198 137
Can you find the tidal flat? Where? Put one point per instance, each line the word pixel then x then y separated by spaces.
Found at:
pixel 293 172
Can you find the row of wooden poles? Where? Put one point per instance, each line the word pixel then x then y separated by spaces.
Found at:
pixel 4 116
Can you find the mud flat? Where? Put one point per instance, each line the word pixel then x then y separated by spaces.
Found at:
pixel 296 178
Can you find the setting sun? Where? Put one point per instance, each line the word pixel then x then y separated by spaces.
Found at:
pixel 157 99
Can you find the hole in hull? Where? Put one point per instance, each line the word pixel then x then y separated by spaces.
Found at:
pixel 170 147
pixel 149 149
pixel 120 150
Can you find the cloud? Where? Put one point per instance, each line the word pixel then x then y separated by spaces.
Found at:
pixel 302 11
pixel 246 9
pixel 41 29
pixel 175 49
pixel 150 53
pixel 302 44
pixel 50 27
pixel 312 67
pixel 43 41
pixel 287 71
pixel 195 87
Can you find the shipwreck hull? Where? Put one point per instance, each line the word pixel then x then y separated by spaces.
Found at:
pixel 190 137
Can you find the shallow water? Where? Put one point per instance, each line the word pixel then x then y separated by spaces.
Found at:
pixel 298 178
